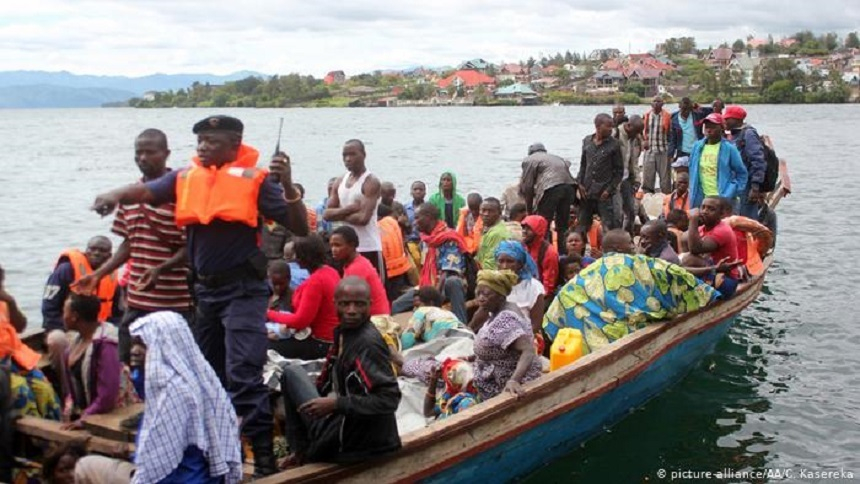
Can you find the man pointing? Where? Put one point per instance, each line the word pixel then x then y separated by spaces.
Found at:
pixel 220 198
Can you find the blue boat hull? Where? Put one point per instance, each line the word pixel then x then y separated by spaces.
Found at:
pixel 558 436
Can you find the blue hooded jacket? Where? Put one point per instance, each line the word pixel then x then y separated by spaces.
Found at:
pixel 731 173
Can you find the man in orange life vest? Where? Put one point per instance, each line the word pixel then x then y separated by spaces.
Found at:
pixel 71 266
pixel 220 199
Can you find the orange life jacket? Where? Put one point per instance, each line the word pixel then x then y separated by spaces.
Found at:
pixel 11 344
pixel 759 240
pixel 595 235
pixel 672 202
pixel 228 192
pixel 473 239
pixel 393 252
pixel 107 285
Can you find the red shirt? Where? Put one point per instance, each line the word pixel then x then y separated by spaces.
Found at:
pixel 313 303
pixel 362 268
pixel 725 238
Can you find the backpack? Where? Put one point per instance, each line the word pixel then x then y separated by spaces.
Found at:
pixel 771 162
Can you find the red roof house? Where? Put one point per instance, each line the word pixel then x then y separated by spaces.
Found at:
pixel 467 78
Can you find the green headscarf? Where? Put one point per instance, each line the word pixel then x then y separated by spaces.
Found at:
pixel 438 199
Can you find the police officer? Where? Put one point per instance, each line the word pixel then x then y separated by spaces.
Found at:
pixel 221 199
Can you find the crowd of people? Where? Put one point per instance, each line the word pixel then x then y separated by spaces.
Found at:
pixel 222 261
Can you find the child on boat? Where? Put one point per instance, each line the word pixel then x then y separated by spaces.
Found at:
pixel 429 320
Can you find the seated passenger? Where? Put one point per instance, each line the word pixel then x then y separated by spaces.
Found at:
pixel 713 242
pixel 137 368
pixel 189 431
pixel 679 199
pixel 344 251
pixel 527 294
pixel 677 223
pixel 429 319
pixel 311 308
pixel 349 415
pixel 298 274
pixel 504 350
pixel 279 279
pixel 95 381
pixel 575 244
pixel 457 393
pixel 71 267
pixel 59 464
pixel 569 267
pixel 518 213
pixel 543 253
pixel 444 264
pixel 654 242
pixel 495 231
pixel 620 293
pixel 32 393
pixel 470 225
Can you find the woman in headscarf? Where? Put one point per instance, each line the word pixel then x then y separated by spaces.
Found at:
pixel 542 251
pixel 190 432
pixel 504 352
pixel 447 200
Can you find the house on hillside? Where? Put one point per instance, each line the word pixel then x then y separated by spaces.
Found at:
pixel 720 58
pixel 608 79
pixel 475 65
pixel 646 76
pixel 334 77
pixel 744 67
pixel 522 92
pixel 467 80
pixel 512 72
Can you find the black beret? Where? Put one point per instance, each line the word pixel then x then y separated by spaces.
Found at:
pixel 218 123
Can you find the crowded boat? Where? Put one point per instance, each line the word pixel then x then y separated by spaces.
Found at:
pixel 237 331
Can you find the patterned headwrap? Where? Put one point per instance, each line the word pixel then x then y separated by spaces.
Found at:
pixel 185 404
pixel 517 250
pixel 499 281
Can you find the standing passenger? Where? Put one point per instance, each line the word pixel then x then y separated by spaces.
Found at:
pixel 657 126
pixel 153 246
pixel 600 171
pixel 716 168
pixel 354 203
pixel 447 200
pixel 548 188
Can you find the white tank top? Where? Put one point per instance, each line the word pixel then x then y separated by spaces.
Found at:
pixel 368 235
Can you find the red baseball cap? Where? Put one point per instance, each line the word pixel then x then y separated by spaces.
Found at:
pixel 714 118
pixel 734 112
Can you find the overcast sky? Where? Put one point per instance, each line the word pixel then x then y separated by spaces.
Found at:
pixel 138 37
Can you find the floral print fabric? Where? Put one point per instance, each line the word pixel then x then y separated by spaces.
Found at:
pixel 620 293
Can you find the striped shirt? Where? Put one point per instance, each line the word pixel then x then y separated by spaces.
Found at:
pixel 153 239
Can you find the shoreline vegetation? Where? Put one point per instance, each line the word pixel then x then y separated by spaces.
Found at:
pixel 800 69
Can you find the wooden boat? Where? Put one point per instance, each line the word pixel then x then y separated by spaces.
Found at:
pixel 509 437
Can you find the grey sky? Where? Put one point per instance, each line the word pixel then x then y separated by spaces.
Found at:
pixel 138 37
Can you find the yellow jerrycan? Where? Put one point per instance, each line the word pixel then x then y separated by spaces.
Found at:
pixel 565 349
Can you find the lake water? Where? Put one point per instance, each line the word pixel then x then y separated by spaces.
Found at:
pixel 781 391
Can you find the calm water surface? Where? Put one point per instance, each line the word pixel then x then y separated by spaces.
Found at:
pixel 781 391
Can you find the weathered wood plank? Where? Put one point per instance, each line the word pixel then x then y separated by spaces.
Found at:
pixel 109 425
pixel 50 430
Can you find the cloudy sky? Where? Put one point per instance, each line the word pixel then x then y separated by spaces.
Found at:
pixel 138 37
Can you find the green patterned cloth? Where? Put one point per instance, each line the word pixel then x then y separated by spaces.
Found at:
pixel 620 293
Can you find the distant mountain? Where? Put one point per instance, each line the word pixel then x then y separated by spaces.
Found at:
pixel 25 89
pixel 44 96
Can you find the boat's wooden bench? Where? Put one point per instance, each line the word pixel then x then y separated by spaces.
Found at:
pixel 50 430
pixel 109 425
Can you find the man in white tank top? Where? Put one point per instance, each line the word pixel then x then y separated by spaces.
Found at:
pixel 354 203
